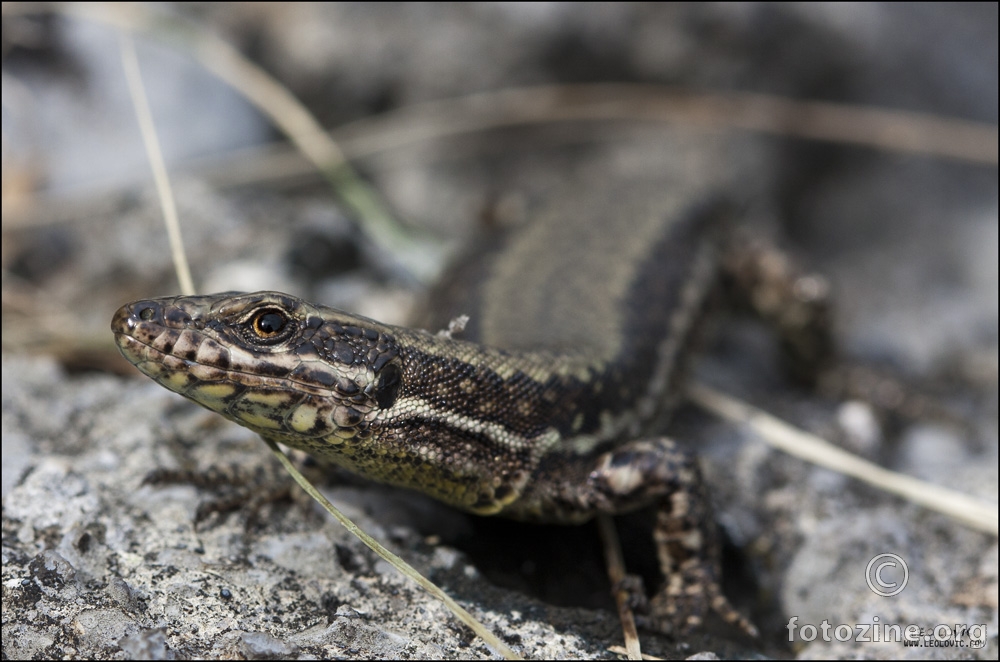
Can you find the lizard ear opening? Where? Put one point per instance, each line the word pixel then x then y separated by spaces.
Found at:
pixel 387 387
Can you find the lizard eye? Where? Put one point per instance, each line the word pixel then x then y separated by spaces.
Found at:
pixel 270 326
pixel 387 387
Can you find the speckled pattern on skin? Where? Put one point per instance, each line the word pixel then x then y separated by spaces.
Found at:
pixel 542 422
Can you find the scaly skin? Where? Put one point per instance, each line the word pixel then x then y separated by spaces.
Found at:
pixel 541 419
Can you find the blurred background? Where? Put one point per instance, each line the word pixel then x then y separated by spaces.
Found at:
pixel 76 185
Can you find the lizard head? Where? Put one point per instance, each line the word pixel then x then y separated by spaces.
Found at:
pixel 396 405
pixel 305 375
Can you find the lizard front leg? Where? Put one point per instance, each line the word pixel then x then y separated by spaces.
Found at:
pixel 635 475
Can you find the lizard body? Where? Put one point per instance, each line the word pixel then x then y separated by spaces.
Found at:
pixel 543 409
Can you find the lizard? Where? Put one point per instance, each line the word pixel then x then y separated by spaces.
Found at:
pixel 545 407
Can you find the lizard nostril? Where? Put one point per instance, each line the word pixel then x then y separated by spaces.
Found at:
pixel 145 310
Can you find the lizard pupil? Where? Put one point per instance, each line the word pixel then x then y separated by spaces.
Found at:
pixel 267 327
pixel 269 323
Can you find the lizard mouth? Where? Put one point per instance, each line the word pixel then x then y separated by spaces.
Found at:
pixel 185 359
pixel 170 341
